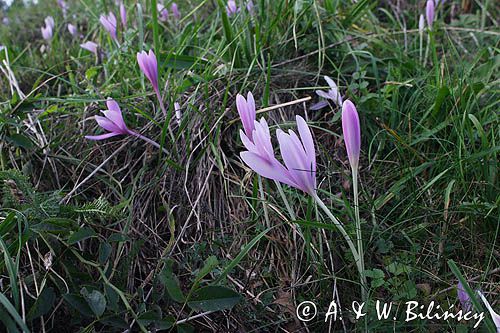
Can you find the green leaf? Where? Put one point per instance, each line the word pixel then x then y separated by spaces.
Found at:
pixel 81 234
pixel 171 283
pixel 95 300
pixel 242 254
pixel 208 267
pixel 10 309
pixel 185 328
pixel 79 304
pixel 104 252
pixel 20 140
pixel 43 304
pixel 214 298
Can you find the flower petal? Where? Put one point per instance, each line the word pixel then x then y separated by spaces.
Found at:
pixel 101 137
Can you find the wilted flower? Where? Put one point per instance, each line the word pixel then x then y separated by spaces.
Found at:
pixel 231 8
pixel 175 11
pixel 494 316
pixel 246 110
pixel 332 94
pixel 429 12
pixel 73 30
pixel 90 46
pixel 162 12
pixel 421 24
pixel 298 155
pixel 112 122
pixel 178 114
pixel 352 133
pixel 123 15
pixel 109 23
pixel 463 297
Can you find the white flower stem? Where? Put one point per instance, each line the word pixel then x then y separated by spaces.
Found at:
pixel 348 239
pixel 359 236
pixel 148 140
pixel 285 200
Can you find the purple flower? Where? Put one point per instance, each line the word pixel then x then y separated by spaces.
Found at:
pixel 494 316
pixel 332 94
pixel 73 30
pixel 47 32
pixel 298 155
pixel 109 23
pixel 112 122
pixel 149 66
pixel 246 110
pixel 63 5
pixel 421 24
pixel 231 8
pixel 49 22
pixel 6 20
pixel 429 12
pixel 90 46
pixel 162 13
pixel 175 11
pixel 250 7
pixel 123 15
pixel 464 298
pixel 352 132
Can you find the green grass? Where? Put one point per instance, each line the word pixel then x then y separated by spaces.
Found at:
pixel 191 239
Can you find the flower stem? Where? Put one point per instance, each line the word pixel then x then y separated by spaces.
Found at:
pixel 348 239
pixel 285 200
pixel 359 236
pixel 148 140
pixel 162 106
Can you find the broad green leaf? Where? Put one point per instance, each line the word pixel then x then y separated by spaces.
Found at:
pixel 95 300
pixel 83 233
pixel 79 304
pixel 171 283
pixel 214 298
pixel 43 304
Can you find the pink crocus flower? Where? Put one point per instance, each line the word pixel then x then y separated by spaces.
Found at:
pixel 494 316
pixel 175 11
pixel 49 21
pixel 149 66
pixel 73 30
pixel 231 8
pixel 112 122
pixel 332 94
pixel 246 110
pixel 463 298
pixel 162 12
pixel 109 23
pixel 298 155
pixel 90 46
pixel 47 32
pixel 123 15
pixel 63 5
pixel 429 12
pixel 352 133
pixel 250 7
